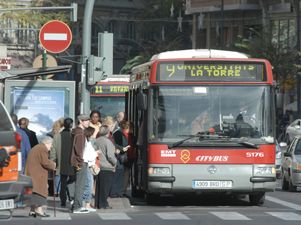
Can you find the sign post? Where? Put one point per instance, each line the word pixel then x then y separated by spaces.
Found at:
pixel 55 36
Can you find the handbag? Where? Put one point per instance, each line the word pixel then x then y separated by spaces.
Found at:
pixel 123 158
pixel 95 169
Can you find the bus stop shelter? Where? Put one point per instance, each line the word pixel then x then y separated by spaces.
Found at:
pixel 30 73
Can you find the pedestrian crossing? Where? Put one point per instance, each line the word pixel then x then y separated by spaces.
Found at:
pixel 169 216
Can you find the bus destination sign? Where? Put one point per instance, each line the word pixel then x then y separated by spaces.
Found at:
pixel 211 71
pixel 100 88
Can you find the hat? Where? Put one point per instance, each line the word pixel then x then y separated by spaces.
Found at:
pixel 83 117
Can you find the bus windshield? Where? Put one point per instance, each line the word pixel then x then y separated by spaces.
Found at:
pixel 233 111
pixel 108 105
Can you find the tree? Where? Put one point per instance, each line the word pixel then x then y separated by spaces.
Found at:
pixel 34 18
pixel 259 45
pixel 159 31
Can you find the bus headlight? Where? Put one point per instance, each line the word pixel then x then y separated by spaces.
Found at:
pixel 264 170
pixel 159 171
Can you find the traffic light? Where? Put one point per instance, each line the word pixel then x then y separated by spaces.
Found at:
pixel 94 69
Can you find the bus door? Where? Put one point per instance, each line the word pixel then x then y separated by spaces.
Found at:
pixel 138 106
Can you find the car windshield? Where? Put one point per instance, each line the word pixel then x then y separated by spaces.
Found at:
pixel 233 111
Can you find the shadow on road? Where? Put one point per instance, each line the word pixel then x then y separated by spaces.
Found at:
pixel 206 199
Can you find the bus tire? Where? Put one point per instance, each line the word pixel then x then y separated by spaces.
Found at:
pixel 152 198
pixel 285 184
pixel 135 193
pixel 257 198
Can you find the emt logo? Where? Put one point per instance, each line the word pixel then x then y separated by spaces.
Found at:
pixel 185 156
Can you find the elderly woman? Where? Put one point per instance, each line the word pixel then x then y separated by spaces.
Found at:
pixel 37 166
pixel 108 162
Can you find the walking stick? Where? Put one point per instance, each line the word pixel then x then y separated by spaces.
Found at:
pixel 53 178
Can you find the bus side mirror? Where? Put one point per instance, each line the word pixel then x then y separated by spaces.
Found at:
pixel 141 101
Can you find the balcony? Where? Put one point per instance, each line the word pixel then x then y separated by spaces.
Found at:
pixel 198 6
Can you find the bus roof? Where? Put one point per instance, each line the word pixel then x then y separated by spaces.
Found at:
pixel 199 53
pixel 117 78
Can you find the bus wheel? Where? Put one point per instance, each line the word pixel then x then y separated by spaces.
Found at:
pixel 257 198
pixel 137 193
pixel 285 184
pixel 152 199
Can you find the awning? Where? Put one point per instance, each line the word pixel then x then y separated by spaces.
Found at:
pixel 33 72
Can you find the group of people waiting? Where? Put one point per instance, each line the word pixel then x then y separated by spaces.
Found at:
pixel 72 153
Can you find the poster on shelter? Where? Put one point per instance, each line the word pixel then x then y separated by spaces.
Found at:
pixel 41 106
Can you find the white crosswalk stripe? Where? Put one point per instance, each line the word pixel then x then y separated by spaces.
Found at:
pixel 58 216
pixel 284 203
pixel 230 216
pixel 223 215
pixel 288 216
pixel 172 216
pixel 114 216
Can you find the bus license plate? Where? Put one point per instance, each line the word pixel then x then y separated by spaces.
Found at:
pixel 211 184
pixel 6 204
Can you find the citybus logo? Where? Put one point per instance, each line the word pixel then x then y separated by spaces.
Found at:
pixel 185 156
pixel 209 158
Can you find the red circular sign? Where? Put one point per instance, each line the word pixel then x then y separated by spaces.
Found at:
pixel 55 36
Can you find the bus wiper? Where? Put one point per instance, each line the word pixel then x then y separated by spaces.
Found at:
pixel 244 143
pixel 176 144
pixel 248 144
pixel 203 135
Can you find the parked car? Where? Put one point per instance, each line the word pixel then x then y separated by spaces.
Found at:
pixel 278 159
pixel 291 166
pixel 293 130
pixel 12 184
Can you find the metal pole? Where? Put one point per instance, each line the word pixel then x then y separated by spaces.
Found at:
pixel 297 4
pixel 38 8
pixel 54 190
pixel 86 52
pixel 44 61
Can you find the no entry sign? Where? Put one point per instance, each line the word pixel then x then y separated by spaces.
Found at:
pixel 55 36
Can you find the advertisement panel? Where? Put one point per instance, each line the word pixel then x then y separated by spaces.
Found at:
pixel 42 102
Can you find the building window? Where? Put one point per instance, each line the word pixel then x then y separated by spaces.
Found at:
pixel 284 33
pixel 131 30
pixel 112 26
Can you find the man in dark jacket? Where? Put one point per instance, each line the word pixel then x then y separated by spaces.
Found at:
pixel 77 162
pixel 23 123
pixel 61 153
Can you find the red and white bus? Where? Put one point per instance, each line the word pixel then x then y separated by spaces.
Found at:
pixel 108 96
pixel 204 122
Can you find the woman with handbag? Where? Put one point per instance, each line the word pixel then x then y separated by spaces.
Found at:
pixel 108 163
pixel 89 157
